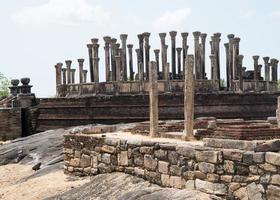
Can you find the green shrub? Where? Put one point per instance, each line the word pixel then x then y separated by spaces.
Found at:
pixel 4 83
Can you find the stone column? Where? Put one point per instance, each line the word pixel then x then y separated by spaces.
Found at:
pixel 147 53
pixel 90 46
pixel 203 39
pixel 107 40
pixel 189 99
pixel 213 67
pixel 95 60
pixel 179 50
pixel 173 53
pixel 138 62
pixel 256 72
pixel 163 53
pixel 240 65
pixel 156 51
pixel 85 75
pixel 141 77
pixel 113 53
pixel 141 47
pixel 123 56
pixel 130 60
pixel 73 76
pixel 197 55
pixel 64 76
pixel 81 65
pixel 236 69
pixel 217 39
pixel 58 68
pixel 153 88
pixel 166 78
pixel 266 72
pixel 227 65
pixel 274 69
pixel 118 68
pixel 259 71
pixel 68 67
pixel 230 60
pixel 184 46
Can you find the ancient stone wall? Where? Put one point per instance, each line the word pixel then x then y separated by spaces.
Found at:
pixel 215 168
pixel 10 123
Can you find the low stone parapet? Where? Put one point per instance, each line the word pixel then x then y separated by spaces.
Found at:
pixel 172 163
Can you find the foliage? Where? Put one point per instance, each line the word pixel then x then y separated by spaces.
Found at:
pixel 222 83
pixel 4 83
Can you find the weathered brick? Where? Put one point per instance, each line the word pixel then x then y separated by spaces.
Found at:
pixel 161 154
pixel 150 163
pixel 186 151
pixel 206 167
pixel 123 158
pixel 165 180
pixel 273 158
pixel 211 188
pixel 85 161
pixel 163 167
pixel 207 156
pixel 177 182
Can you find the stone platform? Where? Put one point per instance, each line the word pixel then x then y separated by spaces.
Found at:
pixel 227 168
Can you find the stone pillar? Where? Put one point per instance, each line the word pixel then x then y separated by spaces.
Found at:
pixel 197 55
pixel 213 67
pixel 68 67
pixel 113 62
pixel 153 88
pixel 123 56
pixel 95 60
pixel 256 72
pixel 227 65
pixel 274 69
pixel 147 53
pixel 179 50
pixel 64 76
pixel 130 60
pixel 203 39
pixel 141 77
pixel 58 68
pixel 163 53
pixel 230 60
pixel 141 47
pixel 240 65
pixel 217 40
pixel 236 69
pixel 90 55
pixel 173 53
pixel 266 72
pixel 184 46
pixel 73 76
pixel 166 78
pixel 138 63
pixel 118 68
pixel 189 99
pixel 156 51
pixel 81 65
pixel 85 75
pixel 107 40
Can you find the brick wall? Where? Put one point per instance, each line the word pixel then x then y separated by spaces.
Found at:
pixel 10 123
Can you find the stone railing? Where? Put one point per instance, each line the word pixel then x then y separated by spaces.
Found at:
pixel 217 167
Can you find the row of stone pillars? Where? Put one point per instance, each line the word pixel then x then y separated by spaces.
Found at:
pixel 188 99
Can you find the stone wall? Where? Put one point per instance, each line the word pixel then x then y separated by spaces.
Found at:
pixel 247 172
pixel 10 123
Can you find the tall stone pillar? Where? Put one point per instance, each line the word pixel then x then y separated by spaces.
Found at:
pixel 141 47
pixel 58 78
pixel 138 63
pixel 197 55
pixel 156 51
pixel 113 61
pixel 203 39
pixel 217 40
pixel 184 46
pixel 85 75
pixel 141 77
pixel 214 67
pixel 227 65
pixel 130 60
pixel 73 75
pixel 230 60
pixel 81 66
pixel 236 69
pixel 274 69
pixel 153 88
pixel 189 99
pixel 163 53
pixel 266 72
pixel 95 60
pixel 240 66
pixel 64 76
pixel 118 68
pixel 166 78
pixel 256 72
pixel 147 53
pixel 90 46
pixel 123 56
pixel 179 68
pixel 107 40
pixel 173 53
pixel 68 67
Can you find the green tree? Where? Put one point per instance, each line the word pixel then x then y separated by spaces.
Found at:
pixel 4 83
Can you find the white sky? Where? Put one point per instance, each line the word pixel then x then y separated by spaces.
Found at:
pixel 36 34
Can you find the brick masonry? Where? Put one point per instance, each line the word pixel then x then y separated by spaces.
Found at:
pixel 10 123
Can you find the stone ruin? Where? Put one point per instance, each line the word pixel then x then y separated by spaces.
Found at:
pixel 122 78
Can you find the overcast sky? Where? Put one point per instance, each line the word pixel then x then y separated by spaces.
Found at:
pixel 36 34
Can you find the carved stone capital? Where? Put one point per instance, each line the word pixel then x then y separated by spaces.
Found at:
pixel 146 34
pixel 59 64
pixel 256 58
pixel 162 35
pixel 196 34
pixel 179 49
pixel 68 62
pixel 185 35
pixel 89 46
pixel 140 37
pixel 94 40
pixel 230 36
pixel 217 35
pixel 236 40
pixel 63 69
pixel 107 39
pixel 203 36
pixel 123 37
pixel 81 60
pixel 173 34
pixel 72 70
pixel 130 46
pixel 266 59
pixel 156 51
